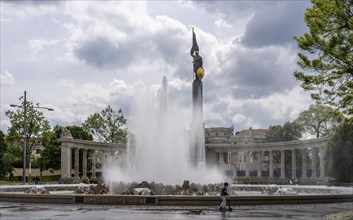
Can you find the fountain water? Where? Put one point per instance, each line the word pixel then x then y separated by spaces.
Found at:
pixel 159 149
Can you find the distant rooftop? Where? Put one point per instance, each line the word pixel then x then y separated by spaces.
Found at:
pixel 251 132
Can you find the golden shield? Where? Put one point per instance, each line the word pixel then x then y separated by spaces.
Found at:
pixel 200 73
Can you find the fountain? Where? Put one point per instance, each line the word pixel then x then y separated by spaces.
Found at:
pixel 159 149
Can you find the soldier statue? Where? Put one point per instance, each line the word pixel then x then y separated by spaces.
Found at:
pixel 197 59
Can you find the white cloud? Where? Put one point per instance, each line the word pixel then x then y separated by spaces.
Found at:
pixel 274 109
pixel 239 118
pixel 222 24
pixel 7 79
pixel 26 9
pixel 108 51
pixel 179 84
pixel 288 105
pixel 4 120
pixel 120 88
pixel 36 45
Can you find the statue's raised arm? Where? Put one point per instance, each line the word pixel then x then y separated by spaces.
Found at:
pixel 197 59
pixel 194 47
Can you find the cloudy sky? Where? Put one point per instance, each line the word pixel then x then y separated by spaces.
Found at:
pixel 80 56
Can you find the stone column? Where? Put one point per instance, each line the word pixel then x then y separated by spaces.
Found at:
pixel 304 152
pixel 235 163
pixel 77 162
pixel 84 162
pixel 283 166
pixel 322 163
pixel 229 158
pixel 197 127
pixel 259 165
pixel 247 172
pixel 313 162
pixel 221 158
pixel 271 163
pixel 65 160
pixel 94 163
pixel 103 159
pixel 294 164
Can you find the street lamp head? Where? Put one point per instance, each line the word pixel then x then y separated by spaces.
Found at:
pixel 50 109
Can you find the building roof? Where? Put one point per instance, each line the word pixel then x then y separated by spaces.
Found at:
pixel 252 132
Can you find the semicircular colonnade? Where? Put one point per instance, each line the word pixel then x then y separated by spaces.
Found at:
pixel 72 148
pixel 292 159
pixel 264 159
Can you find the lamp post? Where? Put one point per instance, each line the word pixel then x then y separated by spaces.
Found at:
pixel 25 131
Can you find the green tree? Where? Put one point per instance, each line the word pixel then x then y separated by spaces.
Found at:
pixel 51 154
pixel 290 131
pixel 14 155
pixel 5 163
pixel 326 54
pixel 339 154
pixel 107 126
pixel 36 125
pixel 319 120
pixel 79 133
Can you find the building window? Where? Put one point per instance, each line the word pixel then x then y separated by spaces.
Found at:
pixel 216 134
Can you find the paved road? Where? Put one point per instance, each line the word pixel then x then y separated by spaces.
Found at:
pixel 30 211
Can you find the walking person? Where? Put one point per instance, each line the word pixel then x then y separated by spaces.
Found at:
pixel 224 195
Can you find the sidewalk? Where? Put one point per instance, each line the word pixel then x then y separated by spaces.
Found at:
pixel 17 211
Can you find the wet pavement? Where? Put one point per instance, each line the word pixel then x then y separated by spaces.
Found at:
pixel 36 211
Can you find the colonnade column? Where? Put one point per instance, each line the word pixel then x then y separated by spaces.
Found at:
pixel 271 163
pixel 93 163
pixel 322 163
pixel 247 172
pixel 84 162
pixel 229 158
pixel 235 162
pixel 77 162
pixel 283 166
pixel 313 162
pixel 103 159
pixel 259 167
pixel 294 164
pixel 221 157
pixel 304 152
pixel 65 161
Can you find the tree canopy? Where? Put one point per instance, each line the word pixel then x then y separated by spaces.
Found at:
pixel 339 154
pixel 50 155
pixel 5 163
pixel 319 120
pixel 290 131
pixel 107 126
pixel 78 133
pixel 36 124
pixel 326 54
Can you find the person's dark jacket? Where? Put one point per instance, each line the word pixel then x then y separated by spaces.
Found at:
pixel 224 192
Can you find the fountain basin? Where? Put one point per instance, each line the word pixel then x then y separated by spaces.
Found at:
pixel 163 200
